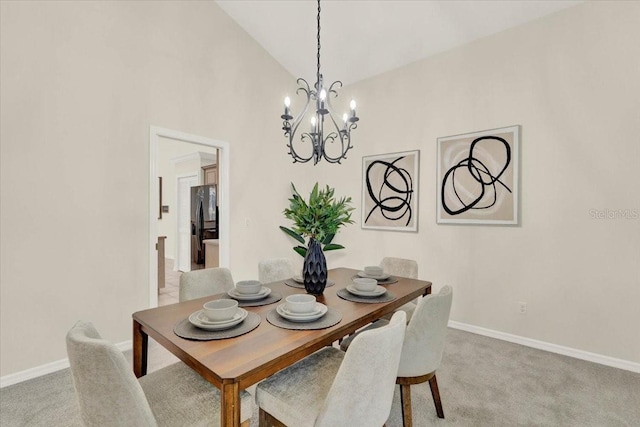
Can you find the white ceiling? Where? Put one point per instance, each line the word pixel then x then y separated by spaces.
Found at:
pixel 363 38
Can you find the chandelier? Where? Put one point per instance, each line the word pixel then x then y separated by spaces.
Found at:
pixel 318 135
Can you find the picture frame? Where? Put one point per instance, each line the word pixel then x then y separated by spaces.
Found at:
pixel 390 191
pixel 477 177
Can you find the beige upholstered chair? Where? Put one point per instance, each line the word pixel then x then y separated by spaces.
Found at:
pixel 404 268
pixel 110 395
pixel 330 388
pixel 275 269
pixel 422 348
pixel 201 283
pixel 400 267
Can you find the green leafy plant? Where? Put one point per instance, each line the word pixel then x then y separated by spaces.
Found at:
pixel 319 219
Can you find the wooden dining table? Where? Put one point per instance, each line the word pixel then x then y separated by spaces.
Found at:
pixel 233 364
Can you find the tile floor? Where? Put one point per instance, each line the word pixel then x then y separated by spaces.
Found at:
pixel 169 294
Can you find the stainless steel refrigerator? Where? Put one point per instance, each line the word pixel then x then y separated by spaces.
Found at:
pixel 204 218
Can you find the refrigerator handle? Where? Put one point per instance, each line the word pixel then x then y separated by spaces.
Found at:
pixel 199 225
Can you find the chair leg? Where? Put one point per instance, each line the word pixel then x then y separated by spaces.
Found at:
pixel 262 418
pixel 405 399
pixel 436 396
pixel 265 419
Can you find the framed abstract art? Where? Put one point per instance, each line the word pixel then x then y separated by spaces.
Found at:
pixel 477 177
pixel 390 191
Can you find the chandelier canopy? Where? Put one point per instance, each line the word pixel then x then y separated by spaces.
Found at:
pixel 318 135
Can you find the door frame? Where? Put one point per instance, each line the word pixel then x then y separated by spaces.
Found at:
pixel 155 132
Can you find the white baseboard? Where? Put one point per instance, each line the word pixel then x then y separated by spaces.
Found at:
pixel 552 348
pixel 48 368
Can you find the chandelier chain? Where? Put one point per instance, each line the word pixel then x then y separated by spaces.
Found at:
pixel 318 72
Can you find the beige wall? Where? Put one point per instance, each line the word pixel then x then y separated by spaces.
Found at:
pixel 81 83
pixel 571 80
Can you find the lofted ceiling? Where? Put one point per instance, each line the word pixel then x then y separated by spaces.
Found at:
pixel 361 38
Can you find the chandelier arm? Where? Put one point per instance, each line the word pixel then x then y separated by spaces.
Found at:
pixel 304 87
pixel 331 137
pixel 296 156
pixel 332 90
pixel 298 118
pixel 344 134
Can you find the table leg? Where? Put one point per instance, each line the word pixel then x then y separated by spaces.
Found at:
pixel 230 404
pixel 140 349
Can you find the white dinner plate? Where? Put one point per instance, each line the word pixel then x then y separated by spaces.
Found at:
pixel 202 318
pixel 199 320
pixel 317 313
pixel 378 291
pixel 262 293
pixel 383 276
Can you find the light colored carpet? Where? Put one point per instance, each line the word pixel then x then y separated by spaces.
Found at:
pixel 483 382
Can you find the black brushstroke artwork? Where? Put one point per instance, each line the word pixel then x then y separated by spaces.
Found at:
pixel 398 205
pixel 481 173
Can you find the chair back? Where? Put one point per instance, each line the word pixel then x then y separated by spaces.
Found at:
pixel 107 390
pixel 400 267
pixel 275 269
pixel 201 283
pixel 424 340
pixel 362 391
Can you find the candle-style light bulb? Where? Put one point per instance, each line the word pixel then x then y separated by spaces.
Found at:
pixel 345 117
pixel 287 111
pixel 353 110
pixel 313 122
pixel 323 94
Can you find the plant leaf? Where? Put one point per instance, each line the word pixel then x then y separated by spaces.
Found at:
pixel 293 234
pixel 319 217
pixel 328 238
pixel 332 247
pixel 301 250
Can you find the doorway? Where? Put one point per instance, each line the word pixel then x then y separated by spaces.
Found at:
pixel 155 135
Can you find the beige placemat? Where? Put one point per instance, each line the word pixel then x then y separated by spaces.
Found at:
pixel 294 284
pixel 387 281
pixel 185 329
pixel 386 297
pixel 332 317
pixel 270 299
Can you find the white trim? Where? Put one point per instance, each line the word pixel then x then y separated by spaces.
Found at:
pixel 627 365
pixel 197 155
pixel 48 368
pixel 223 147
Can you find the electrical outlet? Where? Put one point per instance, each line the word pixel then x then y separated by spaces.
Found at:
pixel 522 307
